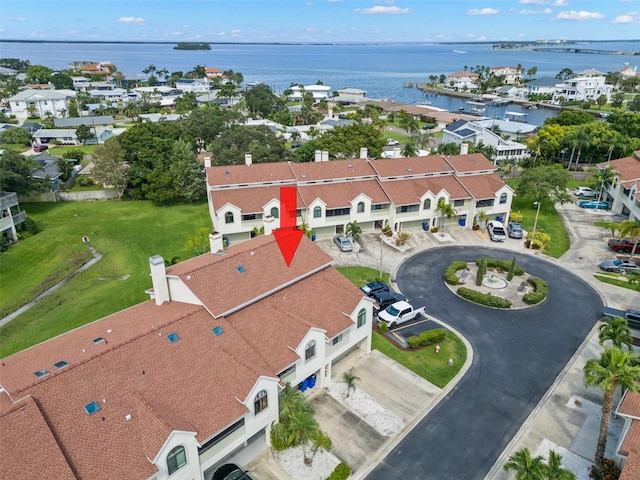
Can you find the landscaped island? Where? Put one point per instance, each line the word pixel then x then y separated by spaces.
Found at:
pixel 192 46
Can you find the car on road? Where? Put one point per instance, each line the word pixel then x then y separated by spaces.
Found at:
pixel 392 143
pixel 231 471
pixel 593 204
pixel 40 148
pixel 384 298
pixel 619 265
pixel 372 288
pixel 496 231
pixel 514 230
pixel 343 243
pixel 584 192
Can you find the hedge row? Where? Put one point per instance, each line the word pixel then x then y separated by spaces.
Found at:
pixel 541 289
pixel 484 298
pixel 504 265
pixel 428 337
pixel 341 472
pixel 450 273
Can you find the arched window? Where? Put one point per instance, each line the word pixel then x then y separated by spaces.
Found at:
pixel 310 350
pixel 426 205
pixel 261 402
pixel 176 459
pixel 503 198
pixel 362 317
pixel 317 212
pixel 228 217
pixel 360 207
pixel 275 213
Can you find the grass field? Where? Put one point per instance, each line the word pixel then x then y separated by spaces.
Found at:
pixel 125 233
pixel 424 362
pixel 60 150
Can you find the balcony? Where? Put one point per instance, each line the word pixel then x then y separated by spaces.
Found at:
pixel 8 200
pixel 19 218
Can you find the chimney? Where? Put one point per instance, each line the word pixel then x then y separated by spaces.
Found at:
pixel 396 152
pixel 207 162
pixel 325 156
pixel 159 279
pixel 317 156
pixel 364 152
pixel 464 148
pixel 215 242
pixel 247 159
pixel 268 223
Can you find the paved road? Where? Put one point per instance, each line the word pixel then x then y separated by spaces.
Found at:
pixel 517 356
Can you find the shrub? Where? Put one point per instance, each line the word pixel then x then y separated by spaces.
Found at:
pixel 450 276
pixel 502 265
pixel 482 270
pixel 484 298
pixel 541 289
pixel 515 216
pixel 383 326
pixel 402 238
pixel 84 180
pixel 427 338
pixel 341 472
pixel 434 229
pixel 512 269
pixel 27 228
pixel 609 470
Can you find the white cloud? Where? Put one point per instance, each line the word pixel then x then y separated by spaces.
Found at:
pixel 236 33
pixel 544 11
pixel 13 19
pixel 560 3
pixel 533 2
pixel 580 16
pixel 631 17
pixel 136 20
pixel 378 9
pixel 483 11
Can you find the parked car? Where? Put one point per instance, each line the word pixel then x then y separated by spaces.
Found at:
pixel 231 471
pixel 428 126
pixel 392 143
pixel 621 245
pixel 514 230
pixel 496 231
pixel 372 288
pixel 619 265
pixel 384 298
pixel 630 315
pixel 400 312
pixel 593 204
pixel 343 243
pixel 40 148
pixel 584 192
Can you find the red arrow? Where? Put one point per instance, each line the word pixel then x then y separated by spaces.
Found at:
pixel 288 236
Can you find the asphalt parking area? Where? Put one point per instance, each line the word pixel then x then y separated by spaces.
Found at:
pixel 415 327
pixel 517 356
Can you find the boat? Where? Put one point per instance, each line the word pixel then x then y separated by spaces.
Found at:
pixel 532 107
pixel 459 51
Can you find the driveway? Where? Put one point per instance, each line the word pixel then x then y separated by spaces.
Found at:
pixel 517 356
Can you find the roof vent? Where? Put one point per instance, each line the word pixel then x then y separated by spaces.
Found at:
pixel 217 331
pixel 91 408
pixel 98 340
pixel 41 373
pixel 61 364
pixel 240 269
pixel 227 172
pixel 304 175
pixel 173 337
pixel 349 165
pixel 127 417
pixel 409 170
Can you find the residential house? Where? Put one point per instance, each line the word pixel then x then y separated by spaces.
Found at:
pixel 67 136
pixel 462 81
pixel 157 117
pixel 193 85
pixel 112 95
pixel 215 97
pixel 10 215
pixel 165 96
pixel 8 71
pixel 542 86
pixel 400 192
pixel 185 382
pixel 627 454
pixel 463 131
pixel 349 96
pixel 508 91
pixel 511 75
pixel 47 169
pixel 628 72
pixel 319 92
pixel 104 69
pixel 41 102
pixel 624 194
pixel 74 122
pixel 583 88
pixel 213 73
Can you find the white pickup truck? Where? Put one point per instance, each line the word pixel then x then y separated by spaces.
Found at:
pixel 399 312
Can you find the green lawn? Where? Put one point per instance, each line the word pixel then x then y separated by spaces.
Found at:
pixel 549 222
pixel 125 233
pixel 60 150
pixel 617 280
pixel 424 362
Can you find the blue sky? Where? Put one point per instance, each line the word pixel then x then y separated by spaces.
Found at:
pixel 320 20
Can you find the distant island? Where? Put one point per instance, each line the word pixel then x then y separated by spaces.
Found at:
pixel 192 46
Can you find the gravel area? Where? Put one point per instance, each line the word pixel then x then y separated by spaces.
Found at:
pixel 368 409
pixel 292 462
pixel 571 461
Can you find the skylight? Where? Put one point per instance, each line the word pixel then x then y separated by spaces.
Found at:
pixel 173 337
pixel 240 269
pixel 41 373
pixel 61 364
pixel 217 331
pixel 91 408
pixel 98 340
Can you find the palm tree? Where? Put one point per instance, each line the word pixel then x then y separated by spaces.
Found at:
pixel 302 428
pixel 603 178
pixel 553 469
pixel 615 329
pixel 354 230
pixel 525 467
pixel 445 210
pixel 350 379
pixel 617 141
pixel 409 150
pixel 577 140
pixel 291 400
pixel 613 368
pixel 131 111
pixel 631 229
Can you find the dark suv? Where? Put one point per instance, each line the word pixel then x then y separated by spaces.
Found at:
pixel 231 471
pixel 385 298
pixel 374 287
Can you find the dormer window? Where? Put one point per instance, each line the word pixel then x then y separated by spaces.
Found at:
pixel 261 401
pixel 228 217
pixel 275 213
pixel 310 350
pixel 176 459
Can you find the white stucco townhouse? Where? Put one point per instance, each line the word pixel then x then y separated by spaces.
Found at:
pixel 40 102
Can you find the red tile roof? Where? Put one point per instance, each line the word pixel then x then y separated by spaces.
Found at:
pixel 630 405
pixel 482 186
pixel 247 174
pixel 408 192
pixel 340 194
pixel 472 162
pixel 412 166
pixel 248 200
pixel 628 168
pixel 333 170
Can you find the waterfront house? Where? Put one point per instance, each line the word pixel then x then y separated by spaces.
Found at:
pixel 542 86
pixel 462 81
pixel 193 85
pixel 624 193
pixel 102 69
pixel 213 73
pixel 41 102
pixel 582 88
pixel 319 92
pixel 511 75
pixel 402 193
pixel 189 380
